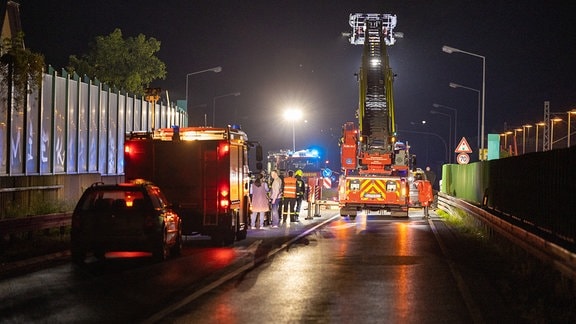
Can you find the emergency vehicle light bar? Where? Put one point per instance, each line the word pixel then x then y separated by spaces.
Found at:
pixel 200 134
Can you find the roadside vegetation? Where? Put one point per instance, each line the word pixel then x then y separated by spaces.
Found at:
pixel 536 291
pixel 26 245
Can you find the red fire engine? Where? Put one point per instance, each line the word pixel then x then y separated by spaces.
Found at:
pixel 203 171
pixel 375 167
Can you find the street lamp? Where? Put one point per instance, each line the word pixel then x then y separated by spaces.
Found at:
pixel 293 115
pixel 552 121
pixel 505 134
pixel 539 124
pixel 569 113
pixel 456 85
pixel 451 50
pixel 525 133
pixel 455 120
pixel 516 130
pixel 450 130
pixel 446 156
pixel 214 69
pixel 214 105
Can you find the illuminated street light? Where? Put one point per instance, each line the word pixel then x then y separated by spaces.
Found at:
pixel 569 113
pixel 456 85
pixel 214 105
pixel 293 115
pixel 214 69
pixel 505 134
pixel 450 130
pixel 516 130
pixel 552 121
pixel 450 50
pixel 526 133
pixel 539 124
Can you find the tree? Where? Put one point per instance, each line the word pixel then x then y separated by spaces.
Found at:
pixel 20 70
pixel 129 64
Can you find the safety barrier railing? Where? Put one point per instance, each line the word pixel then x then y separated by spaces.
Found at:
pixel 559 257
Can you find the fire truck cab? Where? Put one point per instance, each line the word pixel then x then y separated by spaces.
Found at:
pixel 203 171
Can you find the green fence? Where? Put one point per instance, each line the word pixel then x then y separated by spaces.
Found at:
pixel 536 191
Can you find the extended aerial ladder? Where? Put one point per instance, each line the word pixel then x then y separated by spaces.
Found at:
pixel 375 166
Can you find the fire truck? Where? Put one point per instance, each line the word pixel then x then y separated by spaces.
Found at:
pixel 375 166
pixel 308 161
pixel 203 171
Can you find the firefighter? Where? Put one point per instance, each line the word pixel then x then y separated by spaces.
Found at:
pixel 289 197
pixel 300 191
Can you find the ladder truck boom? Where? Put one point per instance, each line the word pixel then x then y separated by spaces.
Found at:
pixel 375 166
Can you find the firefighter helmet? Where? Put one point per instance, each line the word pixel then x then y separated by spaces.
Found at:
pixel 298 173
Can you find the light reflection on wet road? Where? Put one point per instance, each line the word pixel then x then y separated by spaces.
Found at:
pixel 373 270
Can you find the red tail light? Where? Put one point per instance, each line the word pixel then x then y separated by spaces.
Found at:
pixel 224 200
pixel 223 149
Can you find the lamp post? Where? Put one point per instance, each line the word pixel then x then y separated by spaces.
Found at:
pixel 450 130
pixel 214 69
pixel 451 50
pixel 456 85
pixel 552 121
pixel 505 134
pixel 569 113
pixel 525 133
pixel 293 115
pixel 516 130
pixel 431 134
pixel 538 124
pixel 214 105
pixel 455 120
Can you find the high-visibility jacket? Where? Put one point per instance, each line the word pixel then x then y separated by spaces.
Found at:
pixel 289 187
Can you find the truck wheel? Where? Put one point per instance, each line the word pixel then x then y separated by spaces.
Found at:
pixel 230 237
pixel 241 234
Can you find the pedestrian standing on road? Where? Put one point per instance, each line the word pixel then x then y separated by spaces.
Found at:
pixel 275 198
pixel 289 198
pixel 300 191
pixel 259 204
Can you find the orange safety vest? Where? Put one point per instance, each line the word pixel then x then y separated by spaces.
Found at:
pixel 289 187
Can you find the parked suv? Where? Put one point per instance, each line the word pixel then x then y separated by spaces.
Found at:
pixel 124 217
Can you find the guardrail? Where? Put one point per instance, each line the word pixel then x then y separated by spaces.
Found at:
pixel 33 223
pixel 560 258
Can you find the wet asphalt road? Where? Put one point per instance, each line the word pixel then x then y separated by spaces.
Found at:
pixel 373 269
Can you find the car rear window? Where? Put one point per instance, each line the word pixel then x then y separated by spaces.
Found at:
pixel 103 199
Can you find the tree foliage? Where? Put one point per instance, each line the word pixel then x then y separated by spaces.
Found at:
pixel 129 64
pixel 20 70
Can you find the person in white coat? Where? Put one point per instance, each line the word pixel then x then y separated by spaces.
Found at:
pixel 275 198
pixel 259 204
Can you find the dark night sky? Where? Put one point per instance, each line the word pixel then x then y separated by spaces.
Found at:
pixel 281 52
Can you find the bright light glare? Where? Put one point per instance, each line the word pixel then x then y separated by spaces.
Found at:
pixel 293 114
pixel 375 62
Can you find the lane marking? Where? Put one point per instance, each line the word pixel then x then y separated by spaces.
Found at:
pixel 157 317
